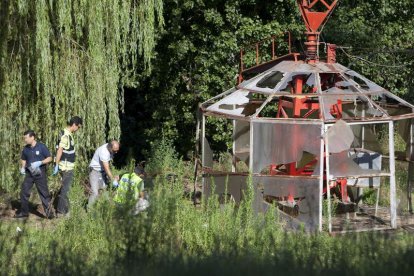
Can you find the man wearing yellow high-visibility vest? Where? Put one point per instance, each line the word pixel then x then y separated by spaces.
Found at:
pixel 65 162
pixel 130 190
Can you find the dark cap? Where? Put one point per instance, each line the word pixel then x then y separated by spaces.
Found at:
pixel 139 170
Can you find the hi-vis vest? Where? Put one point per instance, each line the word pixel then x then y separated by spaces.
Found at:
pixel 67 161
pixel 130 186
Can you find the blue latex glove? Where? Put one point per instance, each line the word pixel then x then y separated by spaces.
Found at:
pixel 22 171
pixel 36 164
pixel 55 170
pixel 115 184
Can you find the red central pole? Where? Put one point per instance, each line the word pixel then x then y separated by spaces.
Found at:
pixel 313 21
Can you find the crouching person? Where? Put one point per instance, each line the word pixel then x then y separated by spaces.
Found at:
pixel 99 170
pixel 130 191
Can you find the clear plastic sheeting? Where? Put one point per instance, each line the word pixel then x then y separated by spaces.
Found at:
pixel 303 192
pixel 225 185
pixel 338 91
pixel 265 83
pixel 328 103
pixel 207 159
pixel 368 160
pixel 393 105
pixel 334 83
pixel 345 164
pixel 270 80
pixel 233 104
pixel 343 93
pixel 286 85
pixel 362 82
pixel 283 143
pixel 220 96
pixel 404 129
pixel 366 137
pixel 340 137
pixel 349 106
pixel 241 138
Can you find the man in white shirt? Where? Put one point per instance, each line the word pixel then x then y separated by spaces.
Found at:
pixel 100 172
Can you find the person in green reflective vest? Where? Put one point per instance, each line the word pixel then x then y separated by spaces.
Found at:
pixel 130 188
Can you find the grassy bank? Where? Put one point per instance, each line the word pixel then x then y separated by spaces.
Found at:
pixel 174 237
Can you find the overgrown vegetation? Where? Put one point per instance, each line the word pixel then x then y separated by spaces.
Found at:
pixel 64 58
pixel 174 237
pixel 198 57
pixel 92 58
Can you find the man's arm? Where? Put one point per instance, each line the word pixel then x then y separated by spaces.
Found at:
pixel 47 160
pixel 63 144
pixel 23 167
pixel 46 153
pixel 105 157
pixel 108 171
pixel 58 155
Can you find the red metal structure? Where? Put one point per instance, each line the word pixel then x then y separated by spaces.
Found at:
pixel 302 125
pixel 314 13
pixel 303 107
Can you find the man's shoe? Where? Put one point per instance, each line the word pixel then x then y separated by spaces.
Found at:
pixel 21 215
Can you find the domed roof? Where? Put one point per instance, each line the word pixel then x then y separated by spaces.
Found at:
pixel 324 86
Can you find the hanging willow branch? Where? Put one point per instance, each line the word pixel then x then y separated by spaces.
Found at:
pixel 60 58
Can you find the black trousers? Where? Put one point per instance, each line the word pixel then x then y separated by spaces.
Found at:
pixel 63 203
pixel 41 184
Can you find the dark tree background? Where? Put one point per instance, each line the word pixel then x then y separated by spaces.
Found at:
pixel 197 57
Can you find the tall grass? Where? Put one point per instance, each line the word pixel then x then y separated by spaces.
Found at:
pixel 174 237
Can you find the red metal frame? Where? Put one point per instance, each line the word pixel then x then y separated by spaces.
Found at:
pixel 313 21
pixel 259 62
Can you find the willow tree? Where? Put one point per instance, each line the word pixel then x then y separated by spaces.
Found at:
pixel 60 58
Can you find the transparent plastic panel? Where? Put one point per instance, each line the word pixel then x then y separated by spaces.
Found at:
pixel 402 144
pixel 404 129
pixel 354 163
pixel 239 103
pixel 218 97
pixel 340 137
pixel 265 83
pixel 392 104
pixel 254 79
pixel 362 82
pixel 349 107
pixel 297 197
pixel 270 80
pixel 232 185
pixel 207 154
pixel 288 85
pixel 335 83
pixel 283 143
pixel 241 137
pixel 368 137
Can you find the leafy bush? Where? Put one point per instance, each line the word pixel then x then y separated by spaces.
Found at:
pixel 174 237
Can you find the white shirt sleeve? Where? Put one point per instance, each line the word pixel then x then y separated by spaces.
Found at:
pixel 104 155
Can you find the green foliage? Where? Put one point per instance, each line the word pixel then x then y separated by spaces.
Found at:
pixel 197 58
pixel 174 237
pixel 378 32
pixel 164 159
pixel 197 55
pixel 63 58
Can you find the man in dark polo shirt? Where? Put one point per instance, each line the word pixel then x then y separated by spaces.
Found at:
pixel 34 158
